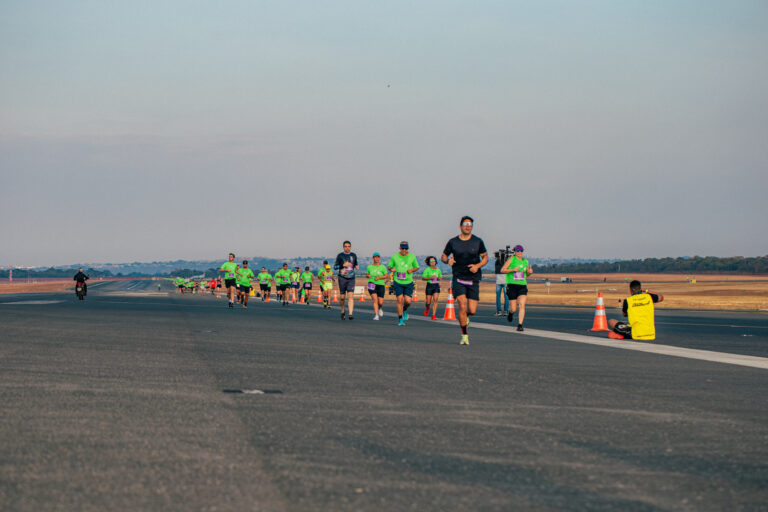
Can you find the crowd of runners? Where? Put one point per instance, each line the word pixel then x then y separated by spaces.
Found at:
pixel 465 253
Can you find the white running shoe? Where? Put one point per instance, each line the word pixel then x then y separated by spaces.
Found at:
pixel 376 317
pixel 381 313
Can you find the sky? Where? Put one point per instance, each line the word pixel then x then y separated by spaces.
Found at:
pixel 164 130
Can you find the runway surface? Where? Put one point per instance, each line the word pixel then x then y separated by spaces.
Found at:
pixel 118 403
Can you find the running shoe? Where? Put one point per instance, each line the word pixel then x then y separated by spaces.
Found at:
pixel 510 316
pixel 351 317
pixel 245 306
pixel 405 316
pixel 400 322
pixel 434 317
pixel 498 313
pixel 342 315
pixel 376 317
pixel 520 327
pixel 381 313
pixel 426 312
pixel 464 339
pixel 231 305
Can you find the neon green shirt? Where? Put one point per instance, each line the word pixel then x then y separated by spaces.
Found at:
pixel 245 277
pixel 326 276
pixel 521 275
pixel 432 274
pixel 264 277
pixel 229 268
pixel 401 265
pixel 377 274
pixel 306 277
pixel 283 276
pixel 295 277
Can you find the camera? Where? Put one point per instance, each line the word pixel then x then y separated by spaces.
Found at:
pixel 502 255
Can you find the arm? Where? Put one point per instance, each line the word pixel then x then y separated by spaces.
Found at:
pixel 477 266
pixel 659 297
pixel 505 268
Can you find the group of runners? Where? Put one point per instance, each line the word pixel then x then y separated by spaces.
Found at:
pixel 465 253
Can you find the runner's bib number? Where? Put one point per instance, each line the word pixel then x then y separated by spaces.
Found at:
pixel 307 285
pixel 371 286
pixel 465 282
pixel 402 275
pixel 518 276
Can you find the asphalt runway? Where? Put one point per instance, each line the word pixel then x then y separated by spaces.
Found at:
pixel 118 403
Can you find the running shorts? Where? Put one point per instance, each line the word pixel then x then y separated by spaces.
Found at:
pixel 432 288
pixel 376 289
pixel 516 290
pixel 471 289
pixel 401 289
pixel 327 286
pixel 307 286
pixel 281 287
pixel 245 289
pixel 294 285
pixel 230 282
pixel 263 287
pixel 346 285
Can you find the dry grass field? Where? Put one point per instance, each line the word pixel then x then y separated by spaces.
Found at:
pixel 709 291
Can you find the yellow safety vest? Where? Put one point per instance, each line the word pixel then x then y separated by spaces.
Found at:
pixel 640 316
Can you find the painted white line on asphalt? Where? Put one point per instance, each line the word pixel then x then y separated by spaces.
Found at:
pixel 33 302
pixel 652 348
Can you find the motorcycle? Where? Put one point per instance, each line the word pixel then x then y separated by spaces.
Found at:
pixel 80 291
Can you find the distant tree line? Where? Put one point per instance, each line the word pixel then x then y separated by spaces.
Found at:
pixel 693 265
pixel 22 273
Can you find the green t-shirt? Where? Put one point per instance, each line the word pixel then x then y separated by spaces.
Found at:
pixel 521 275
pixel 295 277
pixel 377 274
pixel 190 284
pixel 432 274
pixel 400 265
pixel 326 276
pixel 306 277
pixel 229 268
pixel 283 276
pixel 264 277
pixel 245 277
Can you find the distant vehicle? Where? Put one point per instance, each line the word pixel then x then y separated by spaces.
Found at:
pixel 566 280
pixel 80 291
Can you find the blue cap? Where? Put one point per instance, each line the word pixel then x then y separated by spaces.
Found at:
pixel 376 254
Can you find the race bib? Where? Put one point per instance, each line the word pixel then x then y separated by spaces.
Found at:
pixel 465 282
pixel 230 274
pixel 434 280
pixel 371 286
pixel 401 275
pixel 518 276
pixel 307 285
pixel 328 278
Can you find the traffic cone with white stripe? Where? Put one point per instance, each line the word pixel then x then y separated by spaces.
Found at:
pixel 335 296
pixel 319 296
pixel 450 313
pixel 362 296
pixel 601 322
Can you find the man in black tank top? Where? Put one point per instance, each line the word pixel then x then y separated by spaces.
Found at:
pixel 466 254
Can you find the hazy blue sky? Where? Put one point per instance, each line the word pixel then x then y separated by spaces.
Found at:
pixel 179 129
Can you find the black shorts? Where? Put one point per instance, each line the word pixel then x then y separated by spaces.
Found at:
pixel 432 288
pixel 281 287
pixel 230 282
pixel 181 286
pixel 307 286
pixel 378 289
pixel 218 285
pixel 294 285
pixel 624 329
pixel 516 290
pixel 471 289
pixel 346 285
pixel 263 287
pixel 245 289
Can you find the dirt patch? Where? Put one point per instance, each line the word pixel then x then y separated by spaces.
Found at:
pixel 56 286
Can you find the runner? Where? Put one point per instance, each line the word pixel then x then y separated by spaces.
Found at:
pixel 295 275
pixel 244 283
pixel 346 264
pixel 432 276
pixel 377 277
pixel 179 282
pixel 517 270
pixel 639 310
pixel 230 269
pixel 325 275
pixel 283 282
pixel 218 287
pixel 212 286
pixel 265 283
pixel 403 264
pixel 466 254
pixel 306 284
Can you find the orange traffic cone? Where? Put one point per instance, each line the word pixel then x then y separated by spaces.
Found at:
pixel 319 296
pixel 335 296
pixel 450 313
pixel 302 301
pixel 362 296
pixel 615 336
pixel 415 297
pixel 267 299
pixel 600 323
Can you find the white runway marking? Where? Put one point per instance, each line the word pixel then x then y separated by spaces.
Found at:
pixel 667 350
pixel 33 302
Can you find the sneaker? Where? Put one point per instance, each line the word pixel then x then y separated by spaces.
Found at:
pixel 376 317
pixel 464 339
pixel 381 313
pixel 231 305
pixel 498 313
pixel 245 306
pixel 510 316
pixel 405 315
pixel 351 317
pixel 434 317
pixel 400 322
pixel 520 328
pixel 342 315
pixel 426 312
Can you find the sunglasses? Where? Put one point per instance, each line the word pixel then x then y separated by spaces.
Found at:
pixel 467 224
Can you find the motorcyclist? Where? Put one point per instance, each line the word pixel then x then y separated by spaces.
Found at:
pixel 81 278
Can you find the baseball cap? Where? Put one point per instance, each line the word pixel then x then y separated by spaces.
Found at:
pixel 518 248
pixel 376 254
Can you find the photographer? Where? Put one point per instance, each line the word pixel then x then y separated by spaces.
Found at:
pixel 502 255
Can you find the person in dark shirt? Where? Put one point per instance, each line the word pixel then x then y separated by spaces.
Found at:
pixel 466 254
pixel 81 278
pixel 346 264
